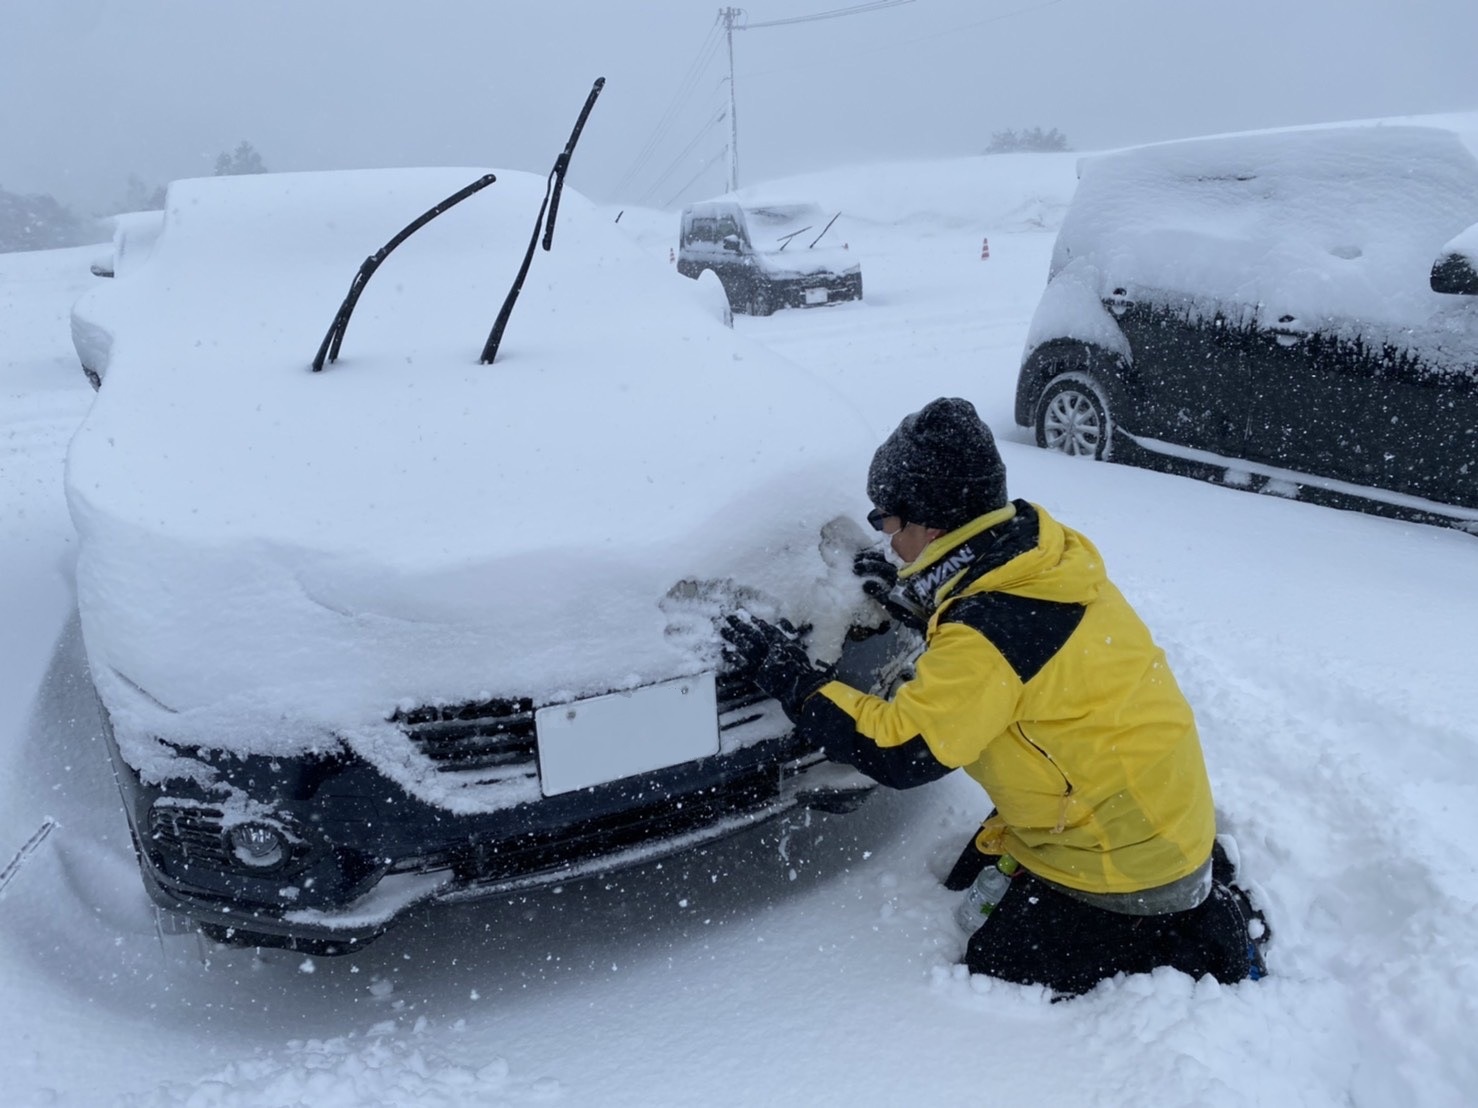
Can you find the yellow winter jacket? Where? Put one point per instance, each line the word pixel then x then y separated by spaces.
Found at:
pixel 1041 682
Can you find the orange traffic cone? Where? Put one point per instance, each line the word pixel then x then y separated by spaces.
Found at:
pixel 984 249
pixel 671 257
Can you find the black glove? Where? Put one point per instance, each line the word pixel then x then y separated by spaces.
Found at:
pixel 775 660
pixel 879 579
pixel 879 576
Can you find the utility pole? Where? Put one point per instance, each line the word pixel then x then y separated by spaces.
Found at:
pixel 728 15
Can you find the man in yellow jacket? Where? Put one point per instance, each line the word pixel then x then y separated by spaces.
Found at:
pixel 1040 682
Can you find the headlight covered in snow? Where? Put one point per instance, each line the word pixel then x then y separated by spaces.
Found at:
pixel 258 846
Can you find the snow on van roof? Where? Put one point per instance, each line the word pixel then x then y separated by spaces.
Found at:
pixel 770 222
pixel 1336 227
pixel 263 543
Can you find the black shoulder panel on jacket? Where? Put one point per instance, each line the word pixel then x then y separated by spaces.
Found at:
pixel 1027 632
pixel 899 767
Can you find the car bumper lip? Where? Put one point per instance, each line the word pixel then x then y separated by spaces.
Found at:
pixel 472 874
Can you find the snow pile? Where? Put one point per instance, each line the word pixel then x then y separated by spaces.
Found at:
pixel 270 557
pixel 1330 229
pixel 377 1070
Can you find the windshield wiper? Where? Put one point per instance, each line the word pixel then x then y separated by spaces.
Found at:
pixel 329 348
pixel 817 239
pixel 553 186
pixel 784 240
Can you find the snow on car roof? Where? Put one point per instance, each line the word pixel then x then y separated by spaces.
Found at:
pixel 1328 225
pixel 260 541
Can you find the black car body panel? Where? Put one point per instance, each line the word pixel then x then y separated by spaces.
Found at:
pixel 1362 412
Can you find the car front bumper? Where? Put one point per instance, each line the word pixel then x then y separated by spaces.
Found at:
pixel 363 851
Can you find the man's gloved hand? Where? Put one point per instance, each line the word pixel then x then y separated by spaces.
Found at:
pixel 774 657
pixel 879 576
pixel 879 579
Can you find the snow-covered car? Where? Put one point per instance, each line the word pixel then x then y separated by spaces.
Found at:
pixel 1294 312
pixel 768 256
pixel 416 628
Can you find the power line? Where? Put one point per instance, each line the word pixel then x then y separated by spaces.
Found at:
pixel 896 43
pixel 701 170
pixel 679 100
pixel 683 153
pixel 963 27
pixel 720 34
pixel 875 5
pixel 730 16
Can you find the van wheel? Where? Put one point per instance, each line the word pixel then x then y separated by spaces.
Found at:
pixel 759 301
pixel 1073 417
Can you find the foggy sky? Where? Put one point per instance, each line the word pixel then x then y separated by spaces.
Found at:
pixel 95 90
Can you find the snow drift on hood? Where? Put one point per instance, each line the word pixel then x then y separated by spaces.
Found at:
pixel 269 556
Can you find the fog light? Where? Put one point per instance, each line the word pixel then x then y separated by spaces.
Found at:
pixel 257 846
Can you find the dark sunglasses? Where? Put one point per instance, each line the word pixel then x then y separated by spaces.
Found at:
pixel 877 515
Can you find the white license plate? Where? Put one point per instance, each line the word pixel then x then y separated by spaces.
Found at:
pixel 605 738
pixel 815 296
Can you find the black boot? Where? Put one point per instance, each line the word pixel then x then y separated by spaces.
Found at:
pixel 968 866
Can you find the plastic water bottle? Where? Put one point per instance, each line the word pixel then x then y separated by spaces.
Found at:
pixel 981 897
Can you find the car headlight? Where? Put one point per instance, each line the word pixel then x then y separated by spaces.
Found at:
pixel 258 846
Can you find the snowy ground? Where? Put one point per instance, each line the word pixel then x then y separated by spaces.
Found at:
pixel 1328 655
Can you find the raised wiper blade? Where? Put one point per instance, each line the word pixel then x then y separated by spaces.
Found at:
pixel 329 348
pixel 553 186
pixel 829 222
pixel 784 240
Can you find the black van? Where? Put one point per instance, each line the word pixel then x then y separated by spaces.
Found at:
pixel 768 256
pixel 1291 312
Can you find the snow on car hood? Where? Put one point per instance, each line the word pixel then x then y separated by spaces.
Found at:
pixel 782 233
pixel 797 261
pixel 1328 226
pixel 271 557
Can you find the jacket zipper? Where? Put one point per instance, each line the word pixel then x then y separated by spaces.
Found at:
pixel 1067 785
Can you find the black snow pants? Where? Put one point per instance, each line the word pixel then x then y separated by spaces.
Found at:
pixel 1038 935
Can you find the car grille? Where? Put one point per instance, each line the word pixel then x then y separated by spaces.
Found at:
pixel 542 852
pixel 483 734
pixel 189 832
pixel 498 734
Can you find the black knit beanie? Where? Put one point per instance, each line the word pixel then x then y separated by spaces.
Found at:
pixel 940 468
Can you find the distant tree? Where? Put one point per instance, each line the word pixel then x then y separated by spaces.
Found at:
pixel 1032 141
pixel 38 222
pixel 139 197
pixel 244 159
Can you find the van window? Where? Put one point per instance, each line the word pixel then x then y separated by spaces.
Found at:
pixel 703 229
pixel 712 229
